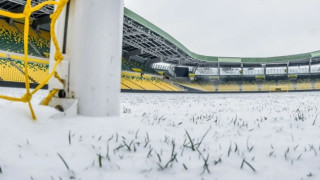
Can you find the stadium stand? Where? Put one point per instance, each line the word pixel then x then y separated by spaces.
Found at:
pixel 45 35
pixel 8 72
pixel 286 83
pixel 267 84
pixel 13 71
pixel 317 84
pixel 252 86
pixel 134 81
pixel 200 86
pixel 136 75
pixel 41 44
pixel 249 86
pixel 37 72
pixel 230 86
pixel 304 84
pixel 12 40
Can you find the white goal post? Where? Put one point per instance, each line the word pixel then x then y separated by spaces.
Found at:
pixel 93 47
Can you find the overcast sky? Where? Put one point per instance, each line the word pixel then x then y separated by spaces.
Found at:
pixel 251 28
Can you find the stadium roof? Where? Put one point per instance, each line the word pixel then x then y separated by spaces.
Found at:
pixel 142 34
pixel 151 42
pixel 18 6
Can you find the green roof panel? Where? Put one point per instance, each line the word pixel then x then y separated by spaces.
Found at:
pixel 223 59
pixel 315 54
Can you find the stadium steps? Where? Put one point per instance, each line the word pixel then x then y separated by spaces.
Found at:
pixel 197 86
pixel 168 87
pixel 158 86
pixel 39 36
pixel 123 86
pixel 20 70
pixel 239 83
pixel 29 42
pixel 317 84
pixel 10 73
pixel 163 89
pixel 216 85
pixel 147 84
pixel 313 82
pixel 38 72
pixel 127 82
pixel 191 89
pixel 174 86
pixel 46 38
pixel 294 85
pixel 259 84
pixel 45 35
pixel 135 81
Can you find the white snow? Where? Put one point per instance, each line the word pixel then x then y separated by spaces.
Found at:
pixel 276 133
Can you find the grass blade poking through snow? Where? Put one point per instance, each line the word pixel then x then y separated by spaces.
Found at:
pixel 185 167
pixel 64 162
pixel 191 141
pixel 205 163
pixel 69 137
pixel 149 153
pixel 107 156
pixel 203 137
pixel 100 160
pixel 245 162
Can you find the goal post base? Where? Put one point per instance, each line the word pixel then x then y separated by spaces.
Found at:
pixel 67 107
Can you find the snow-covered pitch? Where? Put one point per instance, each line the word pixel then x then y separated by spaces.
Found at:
pixel 167 136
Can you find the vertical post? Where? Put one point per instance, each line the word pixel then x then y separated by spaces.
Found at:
pixel 93 49
pixel 242 69
pixel 310 61
pixel 219 70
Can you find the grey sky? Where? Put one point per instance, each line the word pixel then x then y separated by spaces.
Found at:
pixel 237 27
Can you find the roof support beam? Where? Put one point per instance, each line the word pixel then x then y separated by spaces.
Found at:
pixel 136 29
pixel 128 54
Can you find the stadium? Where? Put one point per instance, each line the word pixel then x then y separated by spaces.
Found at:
pixel 183 115
pixel 165 63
